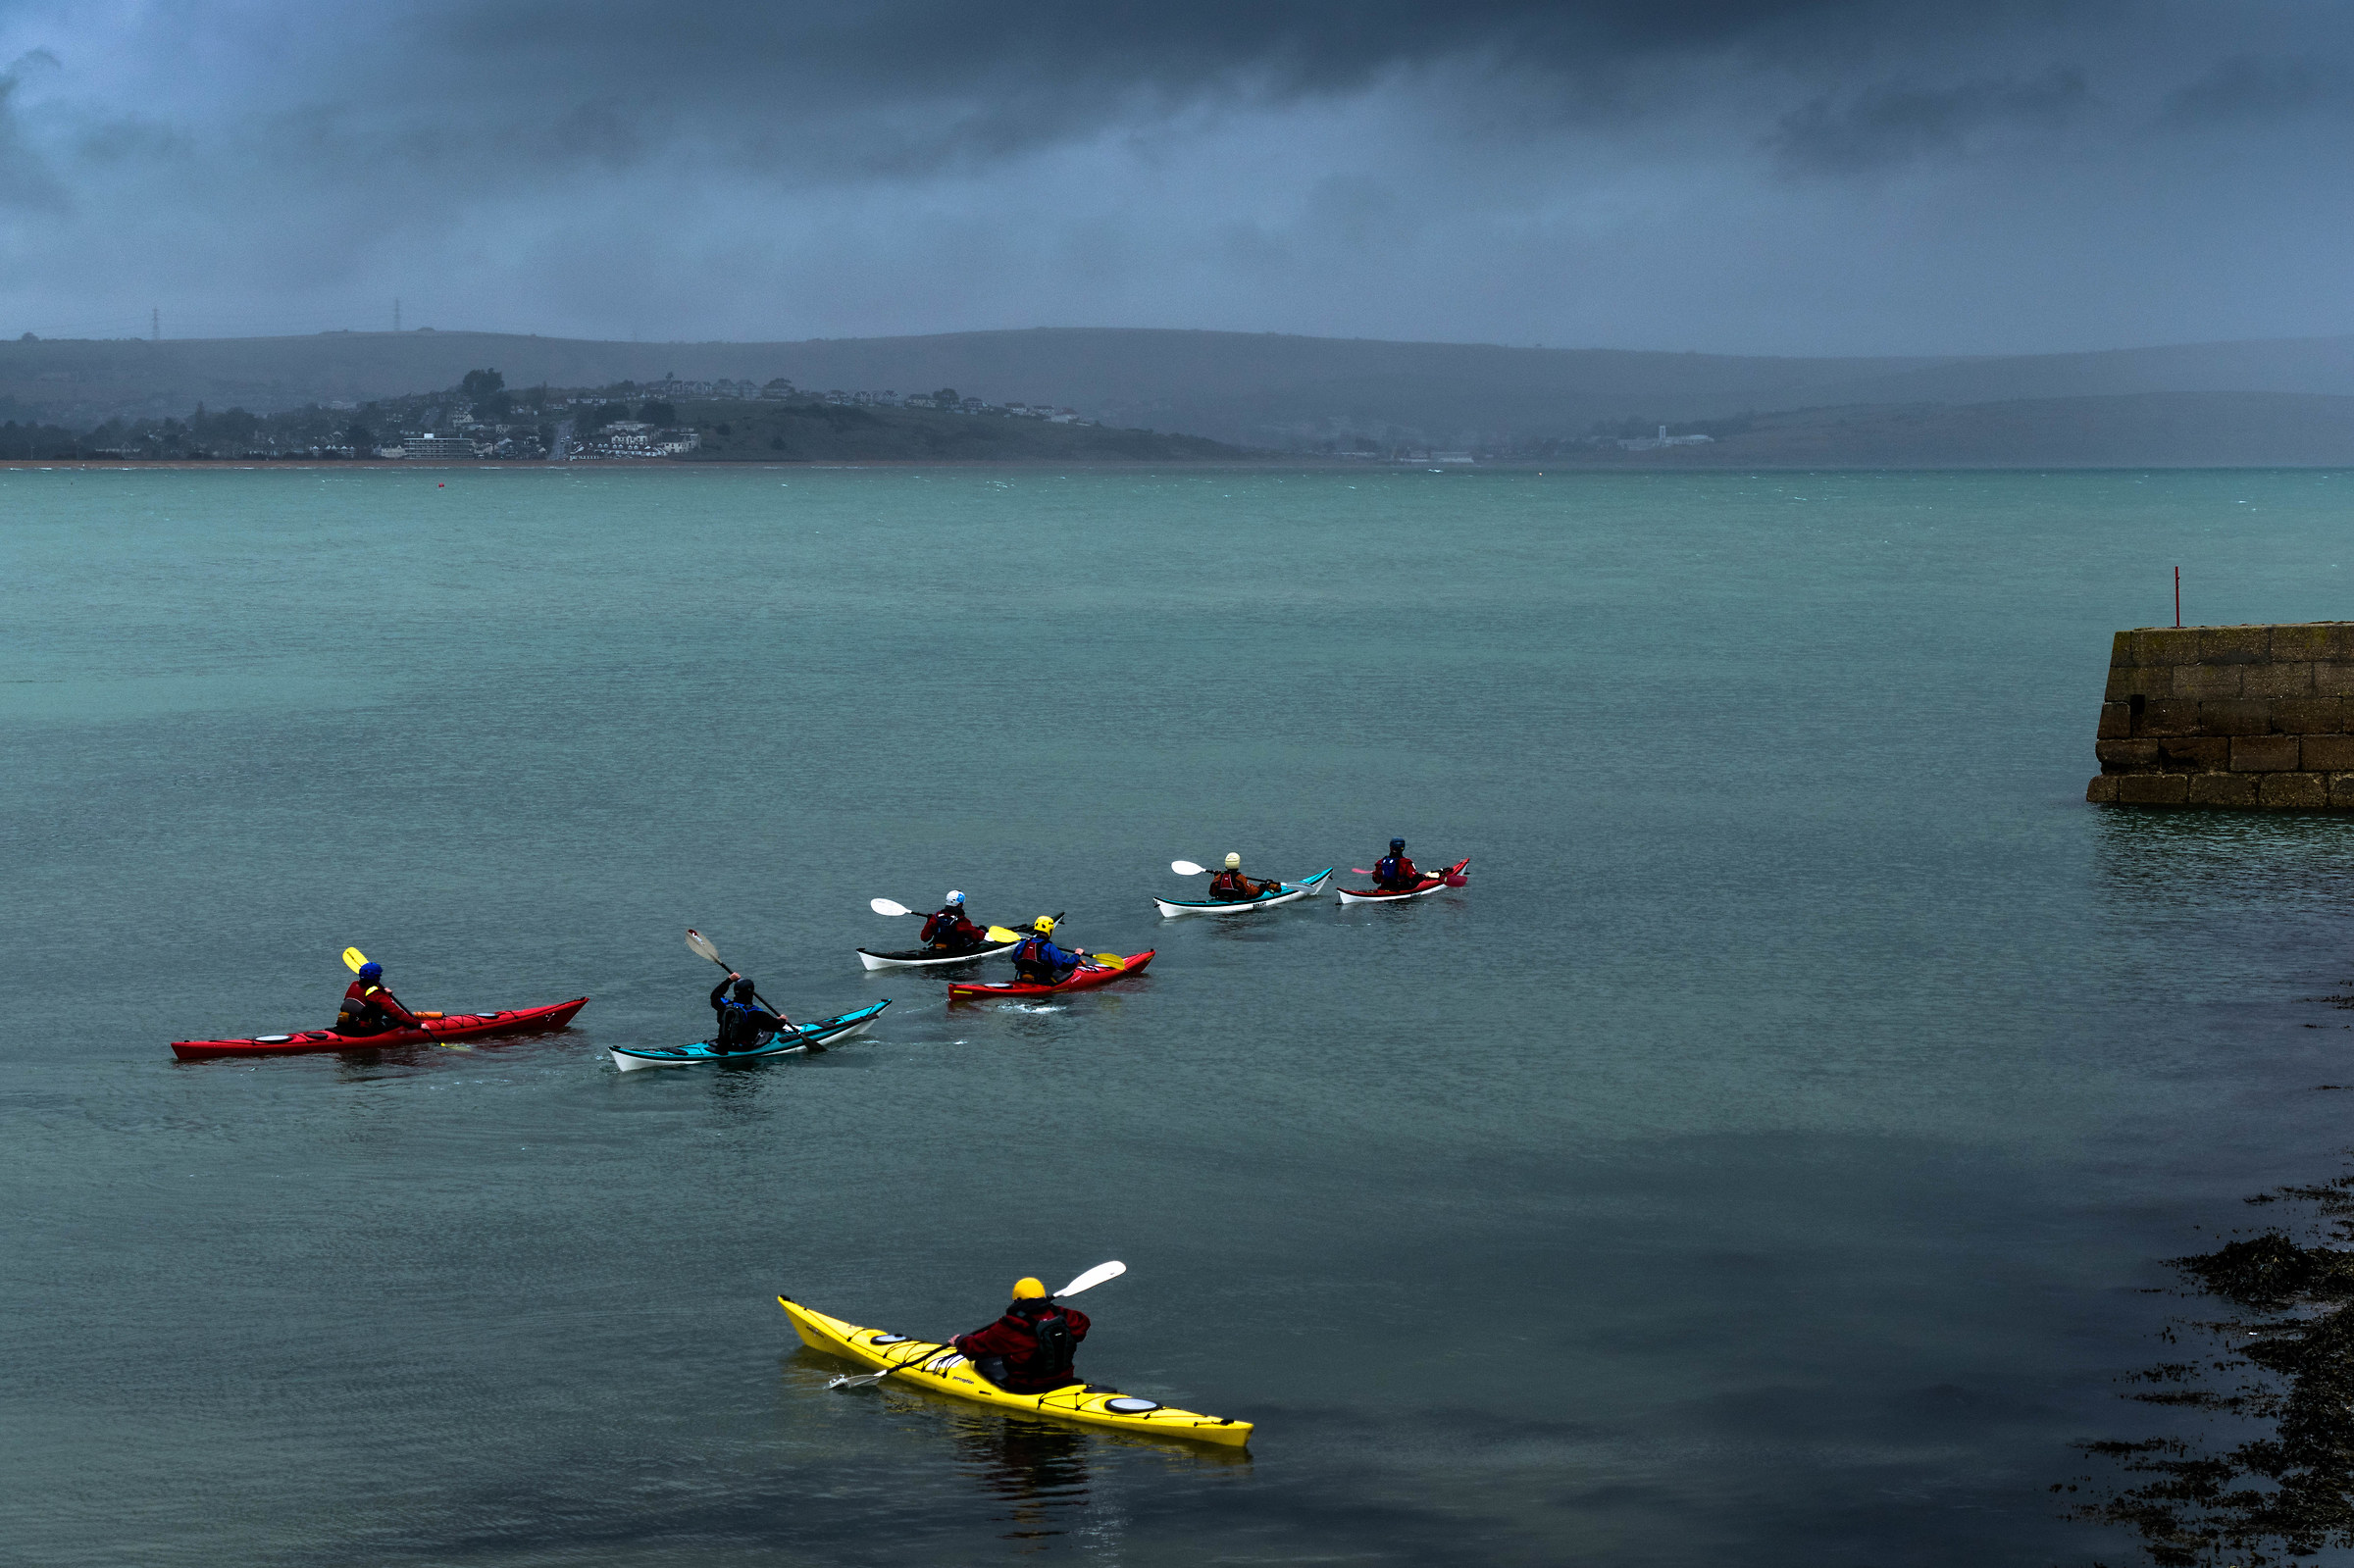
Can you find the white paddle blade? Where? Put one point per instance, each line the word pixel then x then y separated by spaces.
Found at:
pixel 1186 867
pixel 1092 1278
pixel 886 906
pixel 699 943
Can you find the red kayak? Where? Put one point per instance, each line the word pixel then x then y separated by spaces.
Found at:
pixel 1082 979
pixel 456 1026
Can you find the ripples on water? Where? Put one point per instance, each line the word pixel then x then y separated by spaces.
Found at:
pixel 1763 1160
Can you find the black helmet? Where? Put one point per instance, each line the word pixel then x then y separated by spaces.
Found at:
pixel 1396 844
pixel 743 990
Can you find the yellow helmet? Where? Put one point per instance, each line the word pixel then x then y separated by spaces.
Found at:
pixel 1234 862
pixel 1029 1289
pixel 1042 925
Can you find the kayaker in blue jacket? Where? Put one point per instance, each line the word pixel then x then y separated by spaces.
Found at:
pixel 1393 873
pixel 743 1024
pixel 1039 961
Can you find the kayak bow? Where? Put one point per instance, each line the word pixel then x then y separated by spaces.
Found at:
pixel 788 1042
pixel 1082 979
pixel 933 1366
pixel 454 1025
pixel 1285 893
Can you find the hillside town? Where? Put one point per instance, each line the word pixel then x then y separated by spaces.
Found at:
pixel 484 419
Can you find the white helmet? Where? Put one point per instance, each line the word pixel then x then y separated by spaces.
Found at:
pixel 955 898
pixel 1234 862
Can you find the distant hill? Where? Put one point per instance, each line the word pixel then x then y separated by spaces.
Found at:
pixel 1262 390
pixel 2140 430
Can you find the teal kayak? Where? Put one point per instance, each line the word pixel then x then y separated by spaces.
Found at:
pixel 788 1042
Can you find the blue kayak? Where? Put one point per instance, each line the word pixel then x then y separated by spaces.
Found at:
pixel 788 1042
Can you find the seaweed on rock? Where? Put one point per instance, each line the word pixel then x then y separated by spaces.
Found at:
pixel 2286 1493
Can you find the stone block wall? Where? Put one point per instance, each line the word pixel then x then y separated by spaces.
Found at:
pixel 2238 717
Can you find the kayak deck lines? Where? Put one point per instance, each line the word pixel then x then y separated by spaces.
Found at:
pixel 941 1369
pixel 1286 892
pixel 825 1031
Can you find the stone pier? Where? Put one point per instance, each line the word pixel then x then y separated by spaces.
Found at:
pixel 2249 718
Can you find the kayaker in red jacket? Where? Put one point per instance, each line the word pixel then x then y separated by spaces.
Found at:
pixel 370 1009
pixel 1393 873
pixel 1029 1349
pixel 1232 886
pixel 947 930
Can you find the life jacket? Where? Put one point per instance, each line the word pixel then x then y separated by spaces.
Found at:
pixel 1230 884
pixel 940 928
pixel 1385 871
pixel 1031 967
pixel 363 1011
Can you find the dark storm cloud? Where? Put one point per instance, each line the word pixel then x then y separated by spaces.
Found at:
pixel 1891 124
pixel 1795 175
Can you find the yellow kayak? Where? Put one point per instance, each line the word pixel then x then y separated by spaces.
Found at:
pixel 939 1368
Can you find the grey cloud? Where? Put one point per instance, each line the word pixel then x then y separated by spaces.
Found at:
pixel 26 180
pixel 2244 90
pixel 1895 124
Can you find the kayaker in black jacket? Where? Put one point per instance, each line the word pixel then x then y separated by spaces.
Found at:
pixel 743 1024
pixel 1029 1349
pixel 1233 887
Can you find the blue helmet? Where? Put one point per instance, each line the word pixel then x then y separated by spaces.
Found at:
pixel 1396 844
pixel 372 972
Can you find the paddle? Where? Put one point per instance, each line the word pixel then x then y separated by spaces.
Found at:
pixel 697 943
pixel 1086 1282
pixel 894 909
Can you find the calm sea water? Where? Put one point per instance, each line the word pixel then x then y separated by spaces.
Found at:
pixel 1767 1158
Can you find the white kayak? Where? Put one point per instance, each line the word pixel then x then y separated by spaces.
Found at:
pixel 1286 892
pixel 1431 884
pixel 788 1043
pixel 926 958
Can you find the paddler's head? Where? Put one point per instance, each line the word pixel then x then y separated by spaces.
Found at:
pixel 745 990
pixel 1396 846
pixel 1044 925
pixel 370 974
pixel 1234 862
pixel 1029 1289
pixel 956 900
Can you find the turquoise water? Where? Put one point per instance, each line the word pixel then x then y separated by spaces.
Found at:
pixel 1768 1155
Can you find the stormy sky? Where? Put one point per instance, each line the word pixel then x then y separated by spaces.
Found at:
pixel 1742 176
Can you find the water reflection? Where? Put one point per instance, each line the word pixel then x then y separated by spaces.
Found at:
pixel 1034 1472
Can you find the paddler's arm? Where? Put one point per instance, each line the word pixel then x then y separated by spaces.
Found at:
pixel 392 1009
